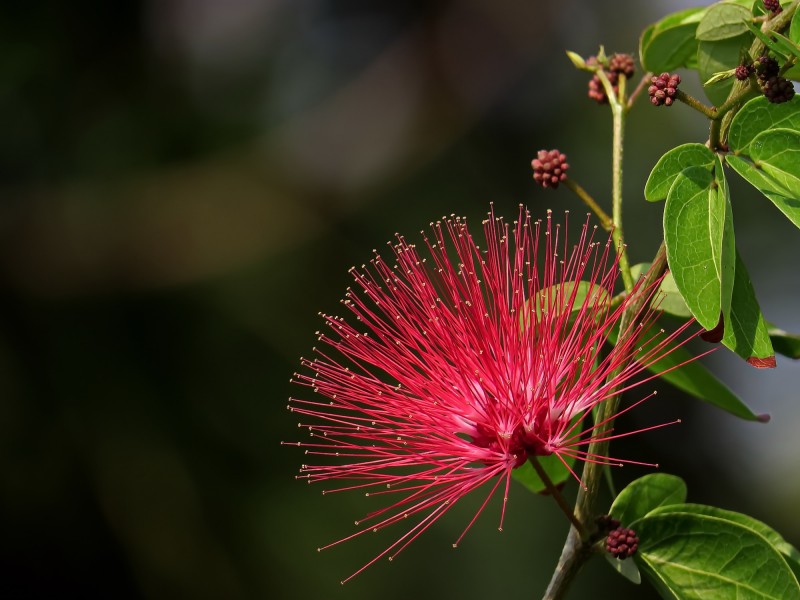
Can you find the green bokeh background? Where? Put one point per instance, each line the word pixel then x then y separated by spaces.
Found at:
pixel 183 186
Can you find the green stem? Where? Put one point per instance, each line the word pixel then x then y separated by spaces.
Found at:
pixel 714 141
pixel 577 549
pixel 619 111
pixel 605 220
pixel 694 103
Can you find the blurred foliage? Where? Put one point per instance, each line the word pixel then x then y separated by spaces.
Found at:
pixel 182 187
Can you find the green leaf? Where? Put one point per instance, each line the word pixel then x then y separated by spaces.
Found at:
pixel 576 59
pixel 758 115
pixel 646 494
pixel 722 21
pixel 694 379
pixel 671 302
pixel 768 41
pixel 784 343
pixel 786 45
pixel 565 296
pixel 721 76
pixel 697 557
pixel 720 55
pixel 746 331
pixel 644 40
pixel 793 73
pixel 794 29
pixel 789 552
pixel 728 238
pixel 777 153
pixel 638 269
pixel 694 232
pixel 786 202
pixel 627 568
pixel 668 299
pixel 673 162
pixel 552 465
pixel 670 43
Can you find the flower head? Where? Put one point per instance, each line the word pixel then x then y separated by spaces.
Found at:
pixel 549 168
pixel 664 88
pixel 463 362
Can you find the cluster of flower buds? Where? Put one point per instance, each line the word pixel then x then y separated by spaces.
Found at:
pixel 773 6
pixel 776 88
pixel 663 89
pixel 549 168
pixel 622 543
pixel 743 71
pixel 766 67
pixel 618 64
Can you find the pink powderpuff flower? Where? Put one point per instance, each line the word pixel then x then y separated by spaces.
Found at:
pixel 461 366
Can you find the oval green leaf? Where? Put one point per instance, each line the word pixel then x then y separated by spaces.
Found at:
pixel 716 56
pixel 789 552
pixel 694 229
pixel 694 379
pixel 784 200
pixel 670 43
pixel 673 162
pixel 552 465
pixel 722 21
pixel 671 301
pixel 626 568
pixel 759 115
pixel 784 343
pixel 746 331
pixel 696 557
pixel 777 153
pixel 794 29
pixel 568 296
pixel 728 240
pixel 646 494
pixel 668 299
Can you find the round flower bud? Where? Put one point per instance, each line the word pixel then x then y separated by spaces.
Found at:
pixel 743 72
pixel 549 168
pixel 778 89
pixel 766 67
pixel 622 543
pixel 622 64
pixel 663 89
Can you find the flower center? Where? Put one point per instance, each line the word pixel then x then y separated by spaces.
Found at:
pixel 519 444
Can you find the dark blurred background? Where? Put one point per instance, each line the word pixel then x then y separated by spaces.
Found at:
pixel 183 185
